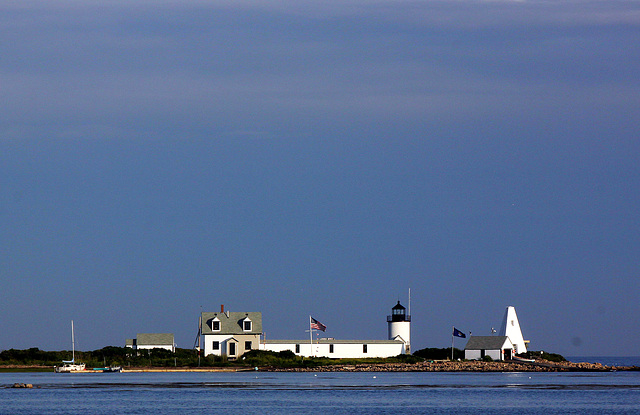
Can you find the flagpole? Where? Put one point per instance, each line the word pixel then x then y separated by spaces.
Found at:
pixel 310 338
pixel 452 329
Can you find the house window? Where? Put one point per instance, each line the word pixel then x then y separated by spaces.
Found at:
pixel 331 348
pixel 364 348
pixel 215 325
pixel 216 346
pixel 297 348
pixel 246 325
pixel 247 345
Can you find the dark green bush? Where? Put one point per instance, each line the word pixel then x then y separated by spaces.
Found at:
pixel 439 354
pixel 552 357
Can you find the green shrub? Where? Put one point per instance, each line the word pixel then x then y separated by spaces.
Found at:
pixel 439 354
pixel 262 358
pixel 552 357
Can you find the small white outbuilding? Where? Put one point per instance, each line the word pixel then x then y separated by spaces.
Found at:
pixel 496 347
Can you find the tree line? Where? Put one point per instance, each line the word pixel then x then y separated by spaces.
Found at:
pixel 107 356
pixel 128 357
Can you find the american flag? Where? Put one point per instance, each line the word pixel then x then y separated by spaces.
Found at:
pixel 315 324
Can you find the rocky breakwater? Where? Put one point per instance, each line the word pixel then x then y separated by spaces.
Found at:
pixel 462 366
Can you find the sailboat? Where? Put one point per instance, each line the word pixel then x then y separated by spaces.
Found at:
pixel 69 366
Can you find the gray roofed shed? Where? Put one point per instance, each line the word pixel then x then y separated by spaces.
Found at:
pixel 496 347
pixel 154 339
pixel 485 342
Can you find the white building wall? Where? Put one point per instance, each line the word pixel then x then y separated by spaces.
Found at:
pixel 223 340
pixel 340 350
pixel 401 329
pixel 157 346
pixel 475 354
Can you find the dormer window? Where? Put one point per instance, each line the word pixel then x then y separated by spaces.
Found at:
pixel 215 324
pixel 246 324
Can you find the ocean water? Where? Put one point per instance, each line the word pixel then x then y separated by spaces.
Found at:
pixel 330 393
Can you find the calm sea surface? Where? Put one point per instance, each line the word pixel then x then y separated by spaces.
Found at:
pixel 331 393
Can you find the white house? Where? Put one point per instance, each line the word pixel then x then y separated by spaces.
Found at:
pixel 230 334
pixel 496 347
pixel 152 341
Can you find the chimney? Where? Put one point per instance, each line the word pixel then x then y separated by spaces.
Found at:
pixel 222 308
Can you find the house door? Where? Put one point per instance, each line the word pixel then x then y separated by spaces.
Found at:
pixel 507 354
pixel 482 353
pixel 232 349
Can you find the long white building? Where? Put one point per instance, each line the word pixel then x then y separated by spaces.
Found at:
pixel 337 349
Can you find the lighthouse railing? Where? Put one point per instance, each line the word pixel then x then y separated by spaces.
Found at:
pixel 398 317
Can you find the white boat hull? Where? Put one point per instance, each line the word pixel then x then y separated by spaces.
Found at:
pixel 71 367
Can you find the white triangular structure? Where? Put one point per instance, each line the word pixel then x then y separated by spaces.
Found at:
pixel 511 328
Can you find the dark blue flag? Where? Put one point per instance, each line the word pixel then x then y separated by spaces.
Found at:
pixel 458 333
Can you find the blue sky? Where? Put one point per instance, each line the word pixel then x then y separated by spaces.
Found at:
pixel 162 158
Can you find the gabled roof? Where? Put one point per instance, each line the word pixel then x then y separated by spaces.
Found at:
pixel 488 343
pixel 152 339
pixel 398 307
pixel 231 322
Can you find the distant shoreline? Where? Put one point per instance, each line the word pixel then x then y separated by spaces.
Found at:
pixel 428 366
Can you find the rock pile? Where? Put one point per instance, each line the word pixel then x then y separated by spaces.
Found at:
pixel 22 385
pixel 463 366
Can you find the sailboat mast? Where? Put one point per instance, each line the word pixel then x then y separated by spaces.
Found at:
pixel 73 344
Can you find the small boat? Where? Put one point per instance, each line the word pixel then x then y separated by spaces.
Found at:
pixel 69 366
pixel 110 369
pixel 522 359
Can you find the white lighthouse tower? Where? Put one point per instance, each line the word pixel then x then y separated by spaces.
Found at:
pixel 399 324
pixel 511 328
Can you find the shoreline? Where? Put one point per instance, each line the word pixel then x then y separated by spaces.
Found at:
pixel 427 366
